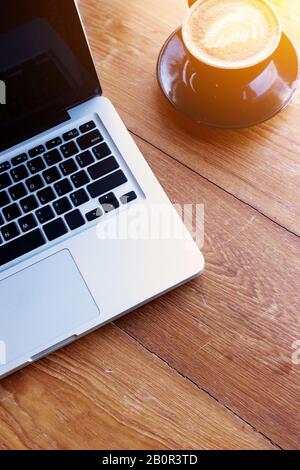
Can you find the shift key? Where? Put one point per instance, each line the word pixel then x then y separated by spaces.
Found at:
pixel 21 246
pixel 106 184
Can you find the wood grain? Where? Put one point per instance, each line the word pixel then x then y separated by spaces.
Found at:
pixel 260 166
pixel 107 392
pixel 231 331
pixel 193 368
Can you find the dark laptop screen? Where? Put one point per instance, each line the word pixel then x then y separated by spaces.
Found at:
pixel 45 66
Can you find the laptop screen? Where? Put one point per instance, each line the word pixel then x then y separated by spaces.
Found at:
pixel 45 66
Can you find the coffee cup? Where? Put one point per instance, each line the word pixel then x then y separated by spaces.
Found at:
pixel 231 34
pixel 230 64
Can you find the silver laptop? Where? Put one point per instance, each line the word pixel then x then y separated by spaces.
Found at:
pixel 80 210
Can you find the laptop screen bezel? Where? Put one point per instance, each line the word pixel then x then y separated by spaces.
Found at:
pixel 85 37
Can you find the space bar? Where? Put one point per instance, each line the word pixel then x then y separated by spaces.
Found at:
pixel 21 246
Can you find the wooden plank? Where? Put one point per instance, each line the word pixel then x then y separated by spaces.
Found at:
pixel 260 165
pixel 232 330
pixel 107 392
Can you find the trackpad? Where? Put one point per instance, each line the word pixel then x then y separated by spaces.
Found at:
pixel 42 304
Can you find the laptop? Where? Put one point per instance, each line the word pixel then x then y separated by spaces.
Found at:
pixel 80 240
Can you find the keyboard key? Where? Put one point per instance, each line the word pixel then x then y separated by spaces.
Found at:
pixel 80 179
pixel 10 231
pixel 69 149
pixel 5 181
pixel 1 220
pixel 85 159
pixel 46 195
pixel 21 246
pixel 17 192
pixel 87 127
pixel 70 135
pixel 55 229
pixel 36 151
pixel 36 165
pixel 68 167
pixel 62 206
pixel 4 166
pixel 19 159
pixel 35 183
pixel 106 184
pixel 4 199
pixel 79 197
pixel 101 151
pixel 63 187
pixel 44 214
pixel 103 168
pixel 53 157
pixel 129 197
pixel 94 214
pixel 11 212
pixel 90 139
pixel 29 204
pixel 109 202
pixel 27 223
pixel 74 220
pixel 19 173
pixel 53 143
pixel 52 175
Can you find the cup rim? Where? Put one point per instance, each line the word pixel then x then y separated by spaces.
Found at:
pixel 229 67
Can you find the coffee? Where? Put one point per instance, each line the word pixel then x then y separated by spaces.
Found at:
pixel 231 33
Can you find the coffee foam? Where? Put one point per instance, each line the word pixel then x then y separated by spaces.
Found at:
pixel 232 33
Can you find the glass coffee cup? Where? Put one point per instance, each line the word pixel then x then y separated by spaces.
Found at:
pixel 224 71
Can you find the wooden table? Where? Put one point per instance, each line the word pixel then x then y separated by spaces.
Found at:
pixel 209 365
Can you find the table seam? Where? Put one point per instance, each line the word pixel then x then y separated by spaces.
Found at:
pixel 236 415
pixel 217 186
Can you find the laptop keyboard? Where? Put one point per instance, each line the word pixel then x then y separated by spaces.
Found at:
pixel 43 191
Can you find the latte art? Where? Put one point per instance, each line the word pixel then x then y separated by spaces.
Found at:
pixel 235 28
pixel 231 33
